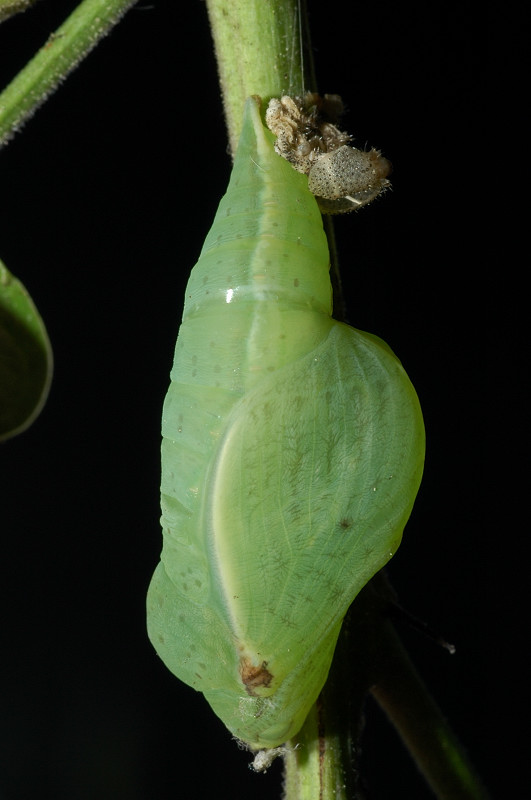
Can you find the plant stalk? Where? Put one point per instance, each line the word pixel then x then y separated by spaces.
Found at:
pixel 403 696
pixel 10 7
pixel 261 49
pixel 320 763
pixel 60 54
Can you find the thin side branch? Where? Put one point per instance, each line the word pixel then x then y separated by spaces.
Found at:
pixel 61 53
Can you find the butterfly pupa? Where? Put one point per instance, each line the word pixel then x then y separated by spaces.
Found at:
pixel 292 452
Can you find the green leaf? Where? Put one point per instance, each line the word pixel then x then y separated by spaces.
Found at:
pixel 26 361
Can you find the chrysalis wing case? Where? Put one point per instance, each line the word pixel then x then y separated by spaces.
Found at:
pixel 292 452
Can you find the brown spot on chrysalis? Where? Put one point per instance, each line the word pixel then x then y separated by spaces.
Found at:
pixel 253 677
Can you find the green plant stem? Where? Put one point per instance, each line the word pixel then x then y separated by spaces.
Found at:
pixel 63 51
pixel 259 51
pixel 263 48
pixel 402 694
pixel 314 767
pixel 10 7
pixel 320 762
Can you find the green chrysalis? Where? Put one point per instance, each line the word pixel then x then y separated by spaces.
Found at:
pixel 292 453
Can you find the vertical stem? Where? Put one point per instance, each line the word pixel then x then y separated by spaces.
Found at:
pixel 320 762
pixel 313 765
pixel 259 51
pixel 262 48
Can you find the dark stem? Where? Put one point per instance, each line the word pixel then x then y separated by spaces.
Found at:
pixel 384 667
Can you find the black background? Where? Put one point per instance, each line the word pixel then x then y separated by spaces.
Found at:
pixel 105 198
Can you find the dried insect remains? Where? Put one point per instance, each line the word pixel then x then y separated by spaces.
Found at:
pixel 343 178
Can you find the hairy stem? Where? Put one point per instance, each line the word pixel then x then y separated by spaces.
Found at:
pixel 63 51
pixel 260 50
pixel 10 7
